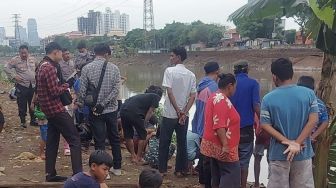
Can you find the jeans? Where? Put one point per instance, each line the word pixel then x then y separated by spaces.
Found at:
pixel 166 131
pixel 24 99
pixel 63 124
pixel 104 126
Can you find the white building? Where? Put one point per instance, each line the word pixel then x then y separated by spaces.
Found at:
pixel 124 23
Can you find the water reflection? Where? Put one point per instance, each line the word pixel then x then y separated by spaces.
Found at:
pixel 140 77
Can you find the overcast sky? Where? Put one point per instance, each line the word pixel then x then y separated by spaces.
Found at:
pixel 59 16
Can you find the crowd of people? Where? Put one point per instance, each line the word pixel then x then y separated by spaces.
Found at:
pixel 80 101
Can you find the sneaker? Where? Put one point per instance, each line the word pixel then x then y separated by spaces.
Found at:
pixel 116 172
pixel 108 177
pixel 23 125
pixel 55 178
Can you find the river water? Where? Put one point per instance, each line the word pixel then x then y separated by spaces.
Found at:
pixel 139 77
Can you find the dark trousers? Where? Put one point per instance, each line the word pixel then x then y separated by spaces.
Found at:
pixel 167 128
pixel 204 175
pixel 24 99
pixel 225 174
pixel 62 123
pixel 104 126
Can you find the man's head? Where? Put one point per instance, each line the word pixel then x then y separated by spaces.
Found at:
pixel 211 68
pixel 23 51
pixel 154 89
pixel 100 163
pixel 178 55
pixel 307 81
pixel 150 178
pixel 102 50
pixel 282 70
pixel 65 54
pixel 241 67
pixel 81 47
pixel 54 51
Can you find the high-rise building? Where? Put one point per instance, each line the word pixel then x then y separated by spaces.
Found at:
pixel 95 25
pixel 124 23
pixel 116 20
pixel 23 34
pixel 107 21
pixel 98 23
pixel 83 25
pixel 33 38
pixel 2 33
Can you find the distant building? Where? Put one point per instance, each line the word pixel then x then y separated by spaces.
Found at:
pixel 82 24
pixel 33 38
pixel 230 38
pixel 98 24
pixel 23 34
pixel 2 35
pixel 124 23
pixel 95 25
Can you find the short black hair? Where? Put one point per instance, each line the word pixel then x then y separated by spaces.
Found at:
pixel 307 81
pixel 100 157
pixel 150 178
pixel 283 69
pixel 241 67
pixel 102 49
pixel 225 80
pixel 211 67
pixel 65 50
pixel 23 47
pixel 180 51
pixel 51 47
pixel 81 44
pixel 154 89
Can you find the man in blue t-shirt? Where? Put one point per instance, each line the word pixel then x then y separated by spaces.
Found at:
pixel 247 102
pixel 289 114
pixel 323 116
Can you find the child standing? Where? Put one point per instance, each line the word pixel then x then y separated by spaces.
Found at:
pixel 43 123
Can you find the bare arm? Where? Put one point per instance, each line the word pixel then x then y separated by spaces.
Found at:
pixel 149 114
pixel 172 100
pixel 103 185
pixel 312 120
pixel 320 130
pixel 222 136
pixel 256 109
pixel 190 103
pixel 274 133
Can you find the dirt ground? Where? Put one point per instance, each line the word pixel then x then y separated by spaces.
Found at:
pixel 14 140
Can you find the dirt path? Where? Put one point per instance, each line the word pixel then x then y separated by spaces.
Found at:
pixel 14 140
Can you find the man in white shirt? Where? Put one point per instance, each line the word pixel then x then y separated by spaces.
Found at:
pixel 181 92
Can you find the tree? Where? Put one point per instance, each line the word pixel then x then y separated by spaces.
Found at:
pixel 63 41
pixel 301 17
pixel 290 36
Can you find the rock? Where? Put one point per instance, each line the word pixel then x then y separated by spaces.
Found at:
pixel 26 156
pixel 2 174
pixel 18 139
pixel 2 169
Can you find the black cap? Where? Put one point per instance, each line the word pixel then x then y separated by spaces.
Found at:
pixel 241 65
pixel 211 67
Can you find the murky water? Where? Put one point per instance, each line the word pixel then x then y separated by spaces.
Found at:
pixel 139 77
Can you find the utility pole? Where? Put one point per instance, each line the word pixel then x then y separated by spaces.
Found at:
pixel 148 15
pixel 16 21
pixel 148 24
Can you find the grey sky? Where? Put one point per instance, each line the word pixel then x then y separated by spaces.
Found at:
pixel 59 16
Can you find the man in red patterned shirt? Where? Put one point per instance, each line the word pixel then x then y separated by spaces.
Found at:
pixel 221 135
pixel 49 90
